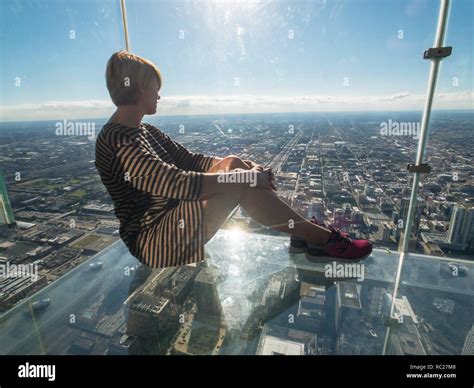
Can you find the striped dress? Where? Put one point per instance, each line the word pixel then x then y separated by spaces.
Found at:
pixel 155 185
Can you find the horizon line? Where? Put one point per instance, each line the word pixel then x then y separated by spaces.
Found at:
pixel 251 113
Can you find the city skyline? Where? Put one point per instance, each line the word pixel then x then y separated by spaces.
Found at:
pixel 251 295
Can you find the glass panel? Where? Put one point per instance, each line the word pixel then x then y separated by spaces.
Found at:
pixel 433 307
pixel 444 223
pixel 433 302
pixel 249 297
pixel 52 90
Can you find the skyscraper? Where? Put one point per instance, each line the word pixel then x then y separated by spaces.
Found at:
pixel 405 339
pixel 405 203
pixel 468 230
pixel 403 214
pixel 205 290
pixel 6 212
pixel 455 224
pixel 316 209
pixel 468 348
pixel 461 227
pixel 347 300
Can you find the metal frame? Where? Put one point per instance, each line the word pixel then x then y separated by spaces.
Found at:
pixel 436 55
pixel 123 8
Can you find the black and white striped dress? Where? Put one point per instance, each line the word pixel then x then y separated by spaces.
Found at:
pixel 155 185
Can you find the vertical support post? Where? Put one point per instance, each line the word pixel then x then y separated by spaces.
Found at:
pixel 435 64
pixel 125 25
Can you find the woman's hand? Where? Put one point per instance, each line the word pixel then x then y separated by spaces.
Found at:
pixel 265 178
pixel 266 170
pixel 272 178
pixel 252 165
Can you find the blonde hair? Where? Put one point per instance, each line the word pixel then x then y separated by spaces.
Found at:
pixel 126 73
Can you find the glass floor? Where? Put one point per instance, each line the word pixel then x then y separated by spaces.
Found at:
pixel 250 296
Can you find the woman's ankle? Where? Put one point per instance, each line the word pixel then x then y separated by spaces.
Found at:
pixel 320 238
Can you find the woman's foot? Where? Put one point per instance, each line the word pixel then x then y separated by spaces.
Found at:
pixel 339 247
pixel 300 245
pixel 297 245
pixel 315 221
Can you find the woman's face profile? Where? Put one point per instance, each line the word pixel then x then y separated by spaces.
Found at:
pixel 150 97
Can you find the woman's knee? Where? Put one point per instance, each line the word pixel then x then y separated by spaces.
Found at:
pixel 232 162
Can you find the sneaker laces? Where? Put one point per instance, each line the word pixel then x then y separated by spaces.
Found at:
pixel 330 227
pixel 338 233
pixel 340 237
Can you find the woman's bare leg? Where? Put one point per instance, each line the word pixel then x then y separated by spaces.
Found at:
pixel 264 206
pixel 218 207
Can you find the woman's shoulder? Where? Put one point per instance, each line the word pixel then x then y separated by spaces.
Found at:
pixel 116 134
pixel 155 131
pixel 151 128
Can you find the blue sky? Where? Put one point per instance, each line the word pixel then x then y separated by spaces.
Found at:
pixel 233 56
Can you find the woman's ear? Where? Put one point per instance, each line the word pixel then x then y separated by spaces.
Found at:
pixel 140 95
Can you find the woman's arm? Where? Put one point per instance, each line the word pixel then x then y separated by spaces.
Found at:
pixel 220 183
pixel 251 163
pixel 259 167
pixel 137 168
pixel 185 159
pixel 215 161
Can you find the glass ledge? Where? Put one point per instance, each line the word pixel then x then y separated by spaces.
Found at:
pixel 249 297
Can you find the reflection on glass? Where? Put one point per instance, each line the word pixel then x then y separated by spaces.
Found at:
pixel 248 299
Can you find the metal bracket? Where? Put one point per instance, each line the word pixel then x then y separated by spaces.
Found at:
pixel 423 168
pixel 437 52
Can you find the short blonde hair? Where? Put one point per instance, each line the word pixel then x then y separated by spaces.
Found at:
pixel 126 73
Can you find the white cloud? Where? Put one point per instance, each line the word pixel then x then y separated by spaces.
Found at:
pixel 394 97
pixel 52 110
pixel 195 105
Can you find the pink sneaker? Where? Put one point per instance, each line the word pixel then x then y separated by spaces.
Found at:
pixel 315 221
pixel 340 247
pixel 299 245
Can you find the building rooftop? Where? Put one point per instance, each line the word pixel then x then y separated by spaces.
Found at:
pixel 272 346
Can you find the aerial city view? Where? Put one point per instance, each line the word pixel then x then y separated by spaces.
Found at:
pixel 341 134
pixel 337 167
